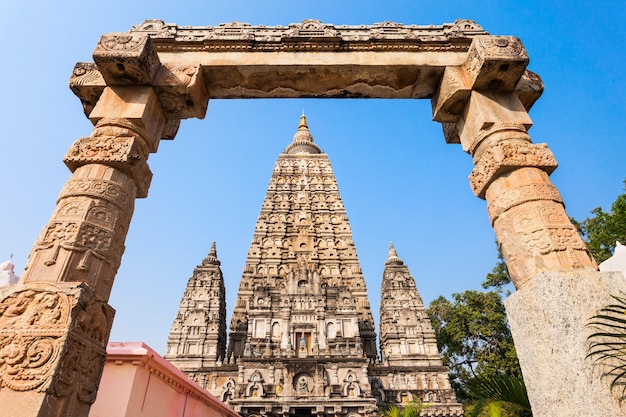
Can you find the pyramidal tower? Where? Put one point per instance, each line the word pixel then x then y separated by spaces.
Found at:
pixel 302 340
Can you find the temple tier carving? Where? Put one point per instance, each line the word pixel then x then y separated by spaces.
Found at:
pixel 302 334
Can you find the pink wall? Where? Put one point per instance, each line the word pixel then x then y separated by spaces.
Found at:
pixel 138 382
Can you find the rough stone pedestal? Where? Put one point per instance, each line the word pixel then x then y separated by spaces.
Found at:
pixel 548 317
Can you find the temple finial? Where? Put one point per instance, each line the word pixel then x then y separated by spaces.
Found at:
pixel 392 258
pixel 303 124
pixel 211 258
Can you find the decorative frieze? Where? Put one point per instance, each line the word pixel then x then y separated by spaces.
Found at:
pixel 311 35
pixel 507 156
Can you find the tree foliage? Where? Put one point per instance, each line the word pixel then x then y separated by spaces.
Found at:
pixel 412 409
pixel 603 228
pixel 474 337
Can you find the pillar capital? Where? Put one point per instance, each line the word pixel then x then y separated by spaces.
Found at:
pixel 486 115
pixel 135 108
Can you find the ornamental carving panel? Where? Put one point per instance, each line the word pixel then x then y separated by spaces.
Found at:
pixel 87 84
pixel 507 156
pixel 60 345
pixel 519 195
pixel 126 153
pixel 538 236
pixel 182 91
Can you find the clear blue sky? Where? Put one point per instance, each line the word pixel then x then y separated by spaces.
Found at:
pixel 398 179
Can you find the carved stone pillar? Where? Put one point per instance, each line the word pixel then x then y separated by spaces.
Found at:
pixel 483 105
pixel 511 173
pixel 55 324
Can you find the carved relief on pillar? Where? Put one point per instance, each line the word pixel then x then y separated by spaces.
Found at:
pixel 60 345
pixel 520 194
pixel 507 156
pixel 125 153
pixel 83 241
pixel 538 236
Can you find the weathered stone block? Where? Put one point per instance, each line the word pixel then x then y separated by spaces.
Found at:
pixel 126 58
pixel 486 110
pixel 495 62
pixel 548 317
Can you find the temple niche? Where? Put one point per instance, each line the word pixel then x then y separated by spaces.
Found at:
pixel 302 340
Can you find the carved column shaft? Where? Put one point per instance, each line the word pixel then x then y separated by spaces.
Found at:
pixel 511 173
pixel 55 324
pixel 84 240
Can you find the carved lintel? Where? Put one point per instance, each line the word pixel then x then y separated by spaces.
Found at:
pixel 124 153
pixel 87 84
pixel 182 91
pixel 508 156
pixel 451 96
pixel 126 58
pixel 495 62
pixel 529 89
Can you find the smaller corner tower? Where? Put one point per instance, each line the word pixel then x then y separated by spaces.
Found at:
pixel 198 335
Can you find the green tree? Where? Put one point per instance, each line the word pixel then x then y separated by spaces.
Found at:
pixel 603 228
pixel 473 337
pixel 499 275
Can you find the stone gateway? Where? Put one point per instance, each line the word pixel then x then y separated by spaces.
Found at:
pixel 144 81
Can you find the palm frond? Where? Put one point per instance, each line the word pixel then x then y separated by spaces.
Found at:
pixel 607 342
pixel 493 392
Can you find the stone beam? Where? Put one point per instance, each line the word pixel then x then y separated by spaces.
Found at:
pixel 307 59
